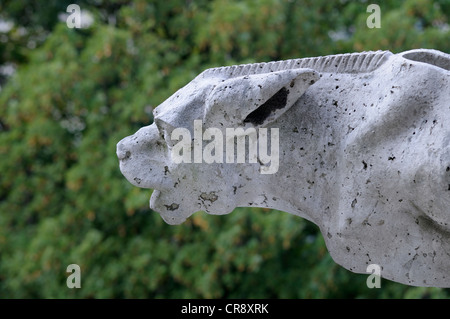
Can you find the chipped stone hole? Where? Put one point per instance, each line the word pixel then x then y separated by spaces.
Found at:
pixel 448 171
pixel 364 164
pixel 172 207
pixel 292 84
pixel 211 197
pixel 276 102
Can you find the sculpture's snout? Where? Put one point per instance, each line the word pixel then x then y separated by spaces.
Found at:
pixel 143 159
pixel 121 150
pixel 141 144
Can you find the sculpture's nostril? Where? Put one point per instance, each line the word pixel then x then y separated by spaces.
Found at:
pixel 122 152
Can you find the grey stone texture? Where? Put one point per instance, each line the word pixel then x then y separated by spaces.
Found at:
pixel 364 153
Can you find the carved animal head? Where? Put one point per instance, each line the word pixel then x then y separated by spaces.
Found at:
pixel 248 96
pixel 221 100
pixel 365 153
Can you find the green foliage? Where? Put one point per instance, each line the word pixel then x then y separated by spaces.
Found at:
pixel 62 197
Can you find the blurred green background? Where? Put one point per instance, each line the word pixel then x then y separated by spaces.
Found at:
pixel 68 96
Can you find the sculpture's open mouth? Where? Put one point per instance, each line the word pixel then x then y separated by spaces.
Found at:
pixel 154 180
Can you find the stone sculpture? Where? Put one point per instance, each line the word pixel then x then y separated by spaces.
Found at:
pixel 362 142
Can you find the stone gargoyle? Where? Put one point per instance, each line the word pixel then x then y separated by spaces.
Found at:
pixel 360 146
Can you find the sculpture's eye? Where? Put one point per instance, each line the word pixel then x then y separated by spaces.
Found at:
pixel 165 132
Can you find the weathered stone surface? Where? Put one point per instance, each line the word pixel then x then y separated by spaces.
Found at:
pixel 364 153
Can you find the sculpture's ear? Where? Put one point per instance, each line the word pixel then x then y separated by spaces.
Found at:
pixel 256 99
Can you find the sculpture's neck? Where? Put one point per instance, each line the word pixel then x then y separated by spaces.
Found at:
pixel 268 193
pixel 302 185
